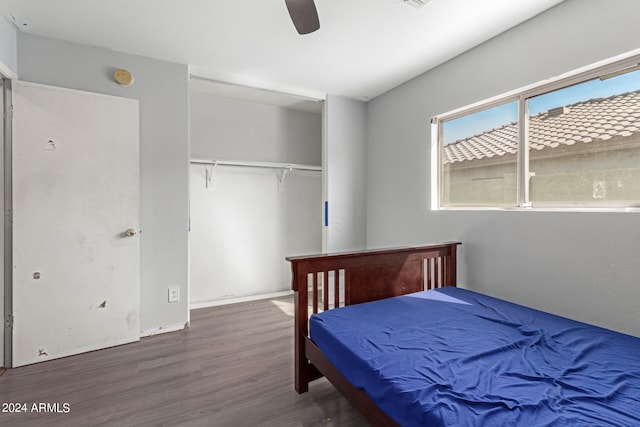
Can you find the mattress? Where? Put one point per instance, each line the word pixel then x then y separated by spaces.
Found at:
pixel 458 358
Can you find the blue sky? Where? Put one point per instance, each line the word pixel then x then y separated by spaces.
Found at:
pixel 498 116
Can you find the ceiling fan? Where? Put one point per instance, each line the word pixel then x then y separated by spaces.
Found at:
pixel 304 15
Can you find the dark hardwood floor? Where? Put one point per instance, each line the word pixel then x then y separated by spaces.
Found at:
pixel 232 367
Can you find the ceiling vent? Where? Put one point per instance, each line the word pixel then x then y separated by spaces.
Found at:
pixel 416 3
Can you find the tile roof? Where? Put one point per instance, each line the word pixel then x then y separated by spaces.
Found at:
pixel 595 120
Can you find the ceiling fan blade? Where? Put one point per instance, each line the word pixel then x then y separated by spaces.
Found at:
pixel 304 15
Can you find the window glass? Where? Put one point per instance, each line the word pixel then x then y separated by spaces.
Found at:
pixel 479 158
pixel 584 143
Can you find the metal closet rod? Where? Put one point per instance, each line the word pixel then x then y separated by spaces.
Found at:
pixel 269 165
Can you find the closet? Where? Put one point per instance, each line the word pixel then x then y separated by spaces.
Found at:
pixel 255 190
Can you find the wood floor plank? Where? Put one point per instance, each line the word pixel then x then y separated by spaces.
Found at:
pixel 232 367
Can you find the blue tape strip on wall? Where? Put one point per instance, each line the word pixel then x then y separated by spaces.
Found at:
pixel 326 213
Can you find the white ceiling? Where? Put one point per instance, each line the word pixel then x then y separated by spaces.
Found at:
pixel 363 47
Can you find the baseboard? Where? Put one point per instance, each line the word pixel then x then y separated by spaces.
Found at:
pixel 212 303
pixel 162 330
pixel 235 300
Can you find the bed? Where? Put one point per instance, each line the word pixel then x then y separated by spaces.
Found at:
pixel 393 333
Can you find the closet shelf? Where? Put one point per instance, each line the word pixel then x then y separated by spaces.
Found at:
pixel 270 165
pixel 283 167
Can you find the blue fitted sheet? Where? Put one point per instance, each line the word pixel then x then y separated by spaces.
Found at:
pixel 458 358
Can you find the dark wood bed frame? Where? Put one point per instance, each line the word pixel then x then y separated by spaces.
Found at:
pixel 327 281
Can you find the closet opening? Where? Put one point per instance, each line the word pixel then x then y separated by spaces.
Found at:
pixel 256 190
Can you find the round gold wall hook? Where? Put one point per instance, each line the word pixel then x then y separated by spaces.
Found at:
pixel 123 77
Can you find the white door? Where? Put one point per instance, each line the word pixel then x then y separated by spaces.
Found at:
pixel 76 275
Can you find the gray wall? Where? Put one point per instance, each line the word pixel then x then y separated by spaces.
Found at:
pixel 581 265
pixel 2 289
pixel 344 174
pixel 232 129
pixel 8 48
pixel 162 89
pixel 8 68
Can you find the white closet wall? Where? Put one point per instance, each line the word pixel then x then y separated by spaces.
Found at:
pixel 245 224
pixel 233 129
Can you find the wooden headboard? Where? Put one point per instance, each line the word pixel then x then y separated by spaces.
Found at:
pixel 327 281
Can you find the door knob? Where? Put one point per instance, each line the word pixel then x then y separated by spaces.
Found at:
pixel 130 232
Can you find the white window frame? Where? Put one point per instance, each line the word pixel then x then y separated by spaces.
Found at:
pixel 590 72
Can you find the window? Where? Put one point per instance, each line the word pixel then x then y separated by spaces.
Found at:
pixel 574 142
pixel 479 158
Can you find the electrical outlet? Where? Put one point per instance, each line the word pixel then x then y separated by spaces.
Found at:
pixel 174 294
